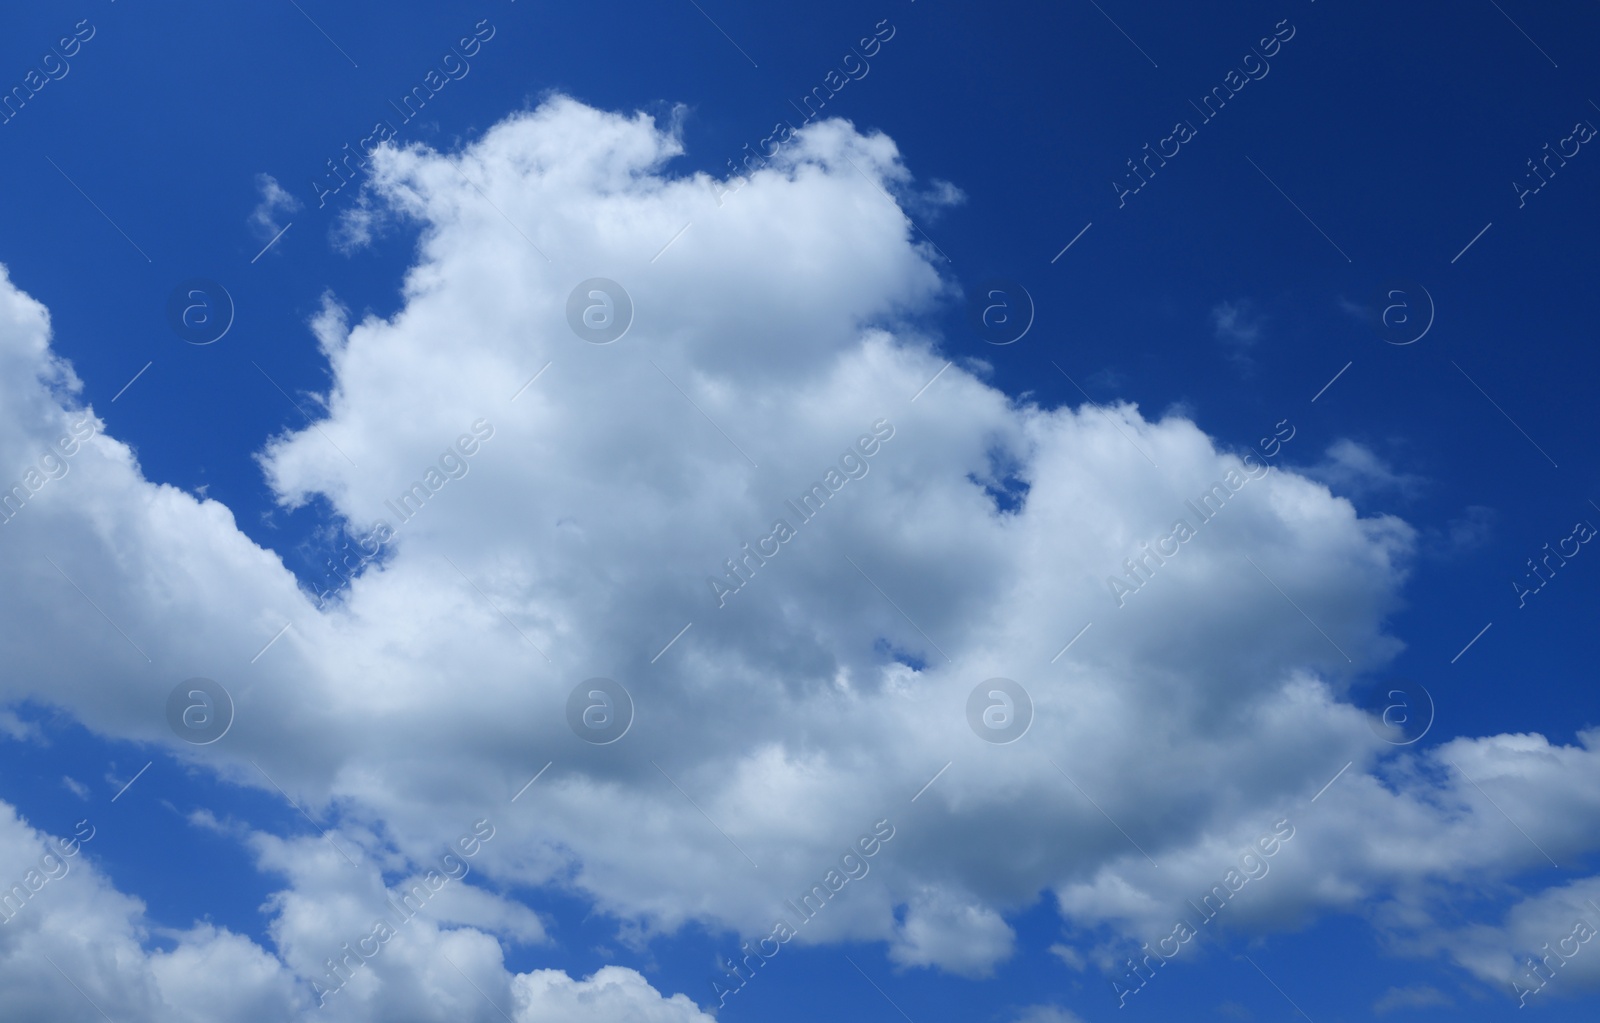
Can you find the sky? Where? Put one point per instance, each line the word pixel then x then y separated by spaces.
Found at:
pixel 688 511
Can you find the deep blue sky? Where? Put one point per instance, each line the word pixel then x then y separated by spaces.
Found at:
pixel 1397 129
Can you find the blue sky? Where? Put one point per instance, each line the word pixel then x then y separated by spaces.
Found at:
pixel 1368 162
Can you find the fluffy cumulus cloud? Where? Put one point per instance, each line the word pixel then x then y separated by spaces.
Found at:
pixel 760 457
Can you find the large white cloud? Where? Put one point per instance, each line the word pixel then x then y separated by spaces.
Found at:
pixel 832 686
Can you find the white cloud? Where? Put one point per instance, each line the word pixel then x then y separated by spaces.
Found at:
pixel 1047 1014
pixel 276 202
pixel 1416 996
pixel 781 323
pixel 1356 470
pixel 1238 326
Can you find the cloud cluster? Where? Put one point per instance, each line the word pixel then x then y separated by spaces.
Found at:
pixel 829 694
